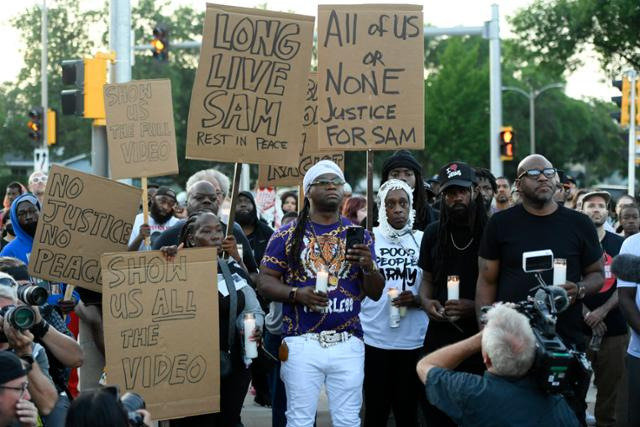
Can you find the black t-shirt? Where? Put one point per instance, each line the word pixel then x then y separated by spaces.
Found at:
pixel 259 239
pixel 569 234
pixel 616 324
pixel 460 263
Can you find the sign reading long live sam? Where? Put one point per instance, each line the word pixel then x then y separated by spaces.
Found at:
pixel 371 78
pixel 248 95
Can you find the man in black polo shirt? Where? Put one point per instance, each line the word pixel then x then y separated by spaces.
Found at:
pixel 603 317
pixel 540 223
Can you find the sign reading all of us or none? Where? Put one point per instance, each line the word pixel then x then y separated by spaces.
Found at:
pixel 370 71
pixel 248 94
pixel 270 175
pixel 140 129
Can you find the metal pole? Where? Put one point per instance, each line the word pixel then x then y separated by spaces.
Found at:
pixel 44 99
pixel 632 134
pixel 495 91
pixel 532 120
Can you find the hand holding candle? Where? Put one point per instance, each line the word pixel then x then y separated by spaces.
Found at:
pixel 453 291
pixel 394 311
pixel 322 283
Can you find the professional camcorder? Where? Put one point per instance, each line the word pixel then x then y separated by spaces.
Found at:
pixel 557 368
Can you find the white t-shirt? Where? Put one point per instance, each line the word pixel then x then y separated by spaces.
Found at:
pixel 631 246
pixel 398 263
pixel 155 227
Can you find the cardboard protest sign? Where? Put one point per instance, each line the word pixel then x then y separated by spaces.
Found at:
pixel 270 175
pixel 248 94
pixel 140 129
pixel 161 329
pixel 371 78
pixel 83 216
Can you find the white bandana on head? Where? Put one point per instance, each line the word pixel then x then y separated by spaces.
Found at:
pixel 385 228
pixel 320 168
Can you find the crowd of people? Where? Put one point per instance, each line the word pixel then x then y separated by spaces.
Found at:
pixel 392 322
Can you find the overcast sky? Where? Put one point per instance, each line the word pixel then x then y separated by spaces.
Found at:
pixel 589 81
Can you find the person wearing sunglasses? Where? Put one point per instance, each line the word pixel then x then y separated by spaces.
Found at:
pixel 37 184
pixel 15 405
pixel 539 223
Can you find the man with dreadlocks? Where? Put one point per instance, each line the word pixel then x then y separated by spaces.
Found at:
pixel 392 350
pixel 322 333
pixel 450 248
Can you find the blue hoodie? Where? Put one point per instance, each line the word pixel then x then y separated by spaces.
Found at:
pixel 20 247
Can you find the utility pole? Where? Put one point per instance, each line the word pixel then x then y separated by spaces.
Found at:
pixel 632 133
pixel 41 154
pixel 531 96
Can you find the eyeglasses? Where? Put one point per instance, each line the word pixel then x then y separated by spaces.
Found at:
pixel 22 389
pixel 38 179
pixel 324 182
pixel 535 173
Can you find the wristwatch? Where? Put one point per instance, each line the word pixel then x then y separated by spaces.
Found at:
pixel 582 290
pixel 40 329
pixel 292 295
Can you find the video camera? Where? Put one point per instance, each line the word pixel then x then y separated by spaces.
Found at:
pixel 557 368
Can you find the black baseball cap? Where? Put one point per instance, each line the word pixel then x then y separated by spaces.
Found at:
pixel 456 173
pixel 11 367
pixel 166 191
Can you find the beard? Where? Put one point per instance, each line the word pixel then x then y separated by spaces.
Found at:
pixel 159 216
pixel 30 228
pixel 502 198
pixel 459 213
pixel 245 218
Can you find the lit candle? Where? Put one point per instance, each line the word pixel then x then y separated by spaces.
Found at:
pixel 322 280
pixel 559 271
pixel 240 250
pixel 453 287
pixel 250 346
pixel 394 312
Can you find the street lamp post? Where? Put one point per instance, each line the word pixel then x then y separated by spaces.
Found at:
pixel 531 96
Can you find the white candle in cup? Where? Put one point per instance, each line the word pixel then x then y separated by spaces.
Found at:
pixel 559 271
pixel 250 346
pixel 453 287
pixel 394 312
pixel 322 281
pixel 240 250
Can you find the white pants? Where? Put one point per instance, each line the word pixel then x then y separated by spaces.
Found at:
pixel 339 367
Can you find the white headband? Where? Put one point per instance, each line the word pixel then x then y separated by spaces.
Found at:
pixel 387 230
pixel 320 168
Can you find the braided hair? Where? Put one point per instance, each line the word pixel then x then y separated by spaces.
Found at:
pixel 477 222
pixel 189 227
pixel 297 237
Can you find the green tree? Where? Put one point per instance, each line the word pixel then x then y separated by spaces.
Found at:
pixel 551 32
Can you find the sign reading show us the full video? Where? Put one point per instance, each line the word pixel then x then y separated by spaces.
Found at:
pixel 247 101
pixel 140 129
pixel 371 78
pixel 161 329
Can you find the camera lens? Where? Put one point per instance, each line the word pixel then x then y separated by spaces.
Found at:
pixel 22 317
pixel 32 294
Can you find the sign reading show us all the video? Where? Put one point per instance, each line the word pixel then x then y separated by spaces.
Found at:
pixel 148 304
pixel 272 175
pixel 371 78
pixel 248 95
pixel 140 129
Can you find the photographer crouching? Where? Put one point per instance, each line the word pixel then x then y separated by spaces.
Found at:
pixel 505 395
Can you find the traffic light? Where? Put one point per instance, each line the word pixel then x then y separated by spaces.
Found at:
pixel 622 101
pixel 35 124
pixel 160 43
pixel 52 126
pixel 507 139
pixel 89 77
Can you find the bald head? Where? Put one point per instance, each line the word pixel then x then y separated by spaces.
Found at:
pixel 533 161
pixel 202 196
